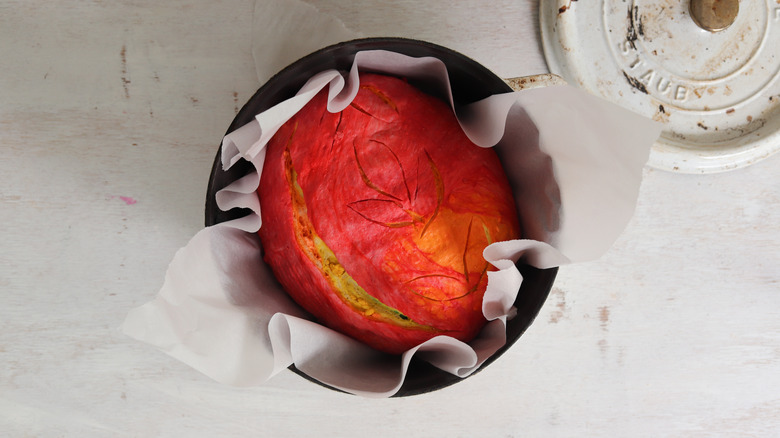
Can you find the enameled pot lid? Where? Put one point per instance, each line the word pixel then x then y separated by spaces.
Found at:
pixel 709 70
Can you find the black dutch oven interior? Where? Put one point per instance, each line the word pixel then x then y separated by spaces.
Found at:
pixel 470 82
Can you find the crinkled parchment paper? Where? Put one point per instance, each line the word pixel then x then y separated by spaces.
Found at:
pixel 221 312
pixel 574 161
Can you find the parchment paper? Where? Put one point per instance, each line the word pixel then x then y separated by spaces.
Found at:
pixel 221 312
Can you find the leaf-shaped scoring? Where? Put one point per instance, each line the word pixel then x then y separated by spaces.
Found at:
pixel 385 212
pixel 397 200
pixel 394 160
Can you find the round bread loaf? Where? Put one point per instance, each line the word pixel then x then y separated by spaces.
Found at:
pixel 374 219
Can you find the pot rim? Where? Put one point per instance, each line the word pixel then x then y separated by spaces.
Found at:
pixel 464 73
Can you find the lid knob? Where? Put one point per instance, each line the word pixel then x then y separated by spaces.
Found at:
pixel 714 15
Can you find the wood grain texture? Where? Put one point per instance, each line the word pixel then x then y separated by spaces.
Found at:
pixel 110 116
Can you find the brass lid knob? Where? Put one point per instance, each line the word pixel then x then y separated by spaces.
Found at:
pixel 714 15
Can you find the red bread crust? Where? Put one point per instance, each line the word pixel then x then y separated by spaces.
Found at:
pixel 403 204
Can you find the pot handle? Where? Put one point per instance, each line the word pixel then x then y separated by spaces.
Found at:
pixel 535 81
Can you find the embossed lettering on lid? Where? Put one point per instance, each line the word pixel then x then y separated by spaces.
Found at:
pixel 709 70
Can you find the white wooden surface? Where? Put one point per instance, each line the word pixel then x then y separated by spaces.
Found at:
pixel 110 115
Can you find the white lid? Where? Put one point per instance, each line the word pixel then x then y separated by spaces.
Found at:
pixel 717 92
